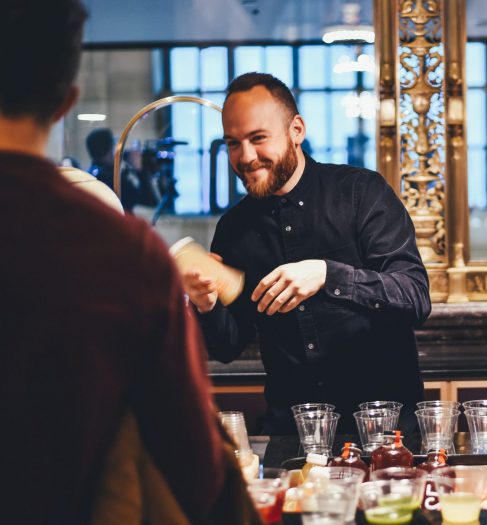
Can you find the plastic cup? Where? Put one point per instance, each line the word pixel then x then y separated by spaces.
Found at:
pixel 438 404
pixel 319 507
pixel 264 498
pixel 477 426
pixel 275 481
pixel 461 490
pixel 312 407
pixel 437 426
pixel 343 483
pixel 475 403
pixel 234 424
pixel 317 430
pixel 395 406
pixel 391 502
pixel 372 424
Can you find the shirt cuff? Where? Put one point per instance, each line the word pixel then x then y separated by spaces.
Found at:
pixel 339 281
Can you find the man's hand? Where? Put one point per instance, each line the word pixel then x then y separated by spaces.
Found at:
pixel 202 291
pixel 289 285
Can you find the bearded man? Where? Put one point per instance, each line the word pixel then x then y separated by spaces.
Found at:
pixel 334 282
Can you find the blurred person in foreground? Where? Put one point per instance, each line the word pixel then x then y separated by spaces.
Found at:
pixel 87 349
pixel 334 283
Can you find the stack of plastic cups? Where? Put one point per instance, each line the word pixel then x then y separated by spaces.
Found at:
pixel 234 424
pixel 316 428
pixel 394 406
pixel 476 414
pixel 372 424
pixel 437 422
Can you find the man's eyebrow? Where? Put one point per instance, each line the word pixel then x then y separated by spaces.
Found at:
pixel 254 132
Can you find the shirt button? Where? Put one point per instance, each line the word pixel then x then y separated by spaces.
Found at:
pixel 377 306
pixel 283 200
pixel 300 203
pixel 337 291
pixel 288 228
pixel 311 346
pixel 320 383
pixel 301 308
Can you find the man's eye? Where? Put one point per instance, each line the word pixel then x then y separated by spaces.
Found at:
pixel 258 138
pixel 231 144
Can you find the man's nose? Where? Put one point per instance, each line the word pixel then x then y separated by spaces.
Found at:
pixel 248 153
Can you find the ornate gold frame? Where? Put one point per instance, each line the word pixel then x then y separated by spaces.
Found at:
pixel 421 137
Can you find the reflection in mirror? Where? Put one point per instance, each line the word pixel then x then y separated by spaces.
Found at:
pixel 172 157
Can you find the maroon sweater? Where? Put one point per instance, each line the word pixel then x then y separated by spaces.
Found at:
pixel 92 322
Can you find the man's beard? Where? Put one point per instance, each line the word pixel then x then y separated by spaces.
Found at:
pixel 278 173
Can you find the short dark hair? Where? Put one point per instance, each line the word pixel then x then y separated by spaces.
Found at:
pixel 276 87
pixel 40 48
pixel 99 142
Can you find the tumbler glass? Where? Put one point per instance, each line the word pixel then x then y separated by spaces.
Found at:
pixel 477 426
pixel 395 406
pixel 437 426
pixel 317 430
pixel 372 424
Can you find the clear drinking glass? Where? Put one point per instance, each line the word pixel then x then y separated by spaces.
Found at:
pixel 437 426
pixel 395 406
pixel 372 424
pixel 461 490
pixel 391 502
pixel 343 482
pixel 477 426
pixel 436 403
pixel 320 507
pixel 317 430
pixel 312 407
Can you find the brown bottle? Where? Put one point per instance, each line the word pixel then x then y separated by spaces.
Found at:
pixel 350 457
pixel 392 453
pixel 436 459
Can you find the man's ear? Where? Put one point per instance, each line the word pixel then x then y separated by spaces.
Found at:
pixel 297 129
pixel 69 101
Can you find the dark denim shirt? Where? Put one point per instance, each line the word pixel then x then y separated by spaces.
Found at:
pixel 353 341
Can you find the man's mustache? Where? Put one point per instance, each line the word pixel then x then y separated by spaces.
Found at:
pixel 252 166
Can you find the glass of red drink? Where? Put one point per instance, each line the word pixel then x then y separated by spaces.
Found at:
pixel 275 482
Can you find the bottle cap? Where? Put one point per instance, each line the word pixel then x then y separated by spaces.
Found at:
pixel 317 459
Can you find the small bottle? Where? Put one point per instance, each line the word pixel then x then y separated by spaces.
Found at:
pixel 350 457
pixel 436 459
pixel 313 460
pixel 392 453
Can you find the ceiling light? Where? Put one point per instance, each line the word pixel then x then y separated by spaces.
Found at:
pixel 92 117
pixel 349 28
pixel 343 33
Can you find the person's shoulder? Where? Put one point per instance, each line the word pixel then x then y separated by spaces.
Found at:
pixel 346 172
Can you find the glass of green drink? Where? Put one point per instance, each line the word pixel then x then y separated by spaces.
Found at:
pixel 391 502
